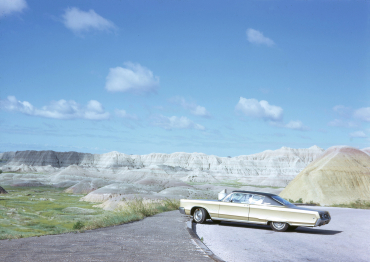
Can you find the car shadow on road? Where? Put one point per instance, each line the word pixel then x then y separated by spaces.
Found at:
pixel 299 230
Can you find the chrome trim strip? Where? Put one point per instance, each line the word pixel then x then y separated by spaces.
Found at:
pixel 241 221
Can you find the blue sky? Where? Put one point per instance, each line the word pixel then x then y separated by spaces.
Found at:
pixel 225 78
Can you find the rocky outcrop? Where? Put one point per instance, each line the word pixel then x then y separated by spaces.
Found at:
pixel 340 175
pixel 3 191
pixel 5 157
pixel 46 158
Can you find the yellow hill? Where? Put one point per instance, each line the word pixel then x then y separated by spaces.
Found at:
pixel 340 175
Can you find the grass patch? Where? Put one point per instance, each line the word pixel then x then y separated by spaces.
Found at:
pixel 231 183
pixel 360 204
pixel 300 201
pixel 26 212
pixel 133 210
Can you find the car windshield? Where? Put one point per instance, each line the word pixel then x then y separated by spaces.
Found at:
pixel 282 201
pixel 227 198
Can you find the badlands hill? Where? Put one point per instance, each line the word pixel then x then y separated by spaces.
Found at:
pixel 340 175
pixel 270 168
pixel 112 176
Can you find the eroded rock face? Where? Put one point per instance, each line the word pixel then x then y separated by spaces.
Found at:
pixel 269 168
pixel 340 175
pixel 114 175
pixel 3 191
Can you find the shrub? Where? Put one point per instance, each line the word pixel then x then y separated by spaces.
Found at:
pixel 78 225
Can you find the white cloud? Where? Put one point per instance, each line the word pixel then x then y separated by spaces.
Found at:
pixel 297 125
pixel 359 134
pixel 79 21
pixel 342 123
pixel 343 111
pixel 123 114
pixel 61 109
pixel 259 109
pixel 11 6
pixel 192 107
pixel 362 114
pixel 175 122
pixel 257 37
pixel 134 78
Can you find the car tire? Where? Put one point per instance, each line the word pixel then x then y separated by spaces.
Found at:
pixel 279 226
pixel 199 215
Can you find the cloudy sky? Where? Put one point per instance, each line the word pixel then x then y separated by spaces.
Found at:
pixel 220 77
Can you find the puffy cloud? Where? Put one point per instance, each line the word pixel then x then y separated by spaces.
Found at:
pixel 343 111
pixel 362 114
pixel 61 109
pixel 342 123
pixel 11 6
pixel 259 109
pixel 79 21
pixel 257 37
pixel 134 78
pixel 192 107
pixel 297 125
pixel 123 114
pixel 359 134
pixel 175 122
pixel 294 124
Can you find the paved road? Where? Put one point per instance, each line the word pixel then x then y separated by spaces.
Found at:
pixel 345 238
pixel 163 237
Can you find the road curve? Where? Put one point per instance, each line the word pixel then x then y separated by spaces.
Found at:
pixel 163 237
pixel 345 238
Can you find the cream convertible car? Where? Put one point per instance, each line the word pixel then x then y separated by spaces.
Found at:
pixel 254 207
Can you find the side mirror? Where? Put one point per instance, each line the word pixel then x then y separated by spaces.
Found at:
pixel 222 194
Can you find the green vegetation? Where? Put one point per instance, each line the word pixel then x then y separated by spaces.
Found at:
pixel 357 204
pixel 300 201
pixel 231 183
pixel 26 212
pixel 134 210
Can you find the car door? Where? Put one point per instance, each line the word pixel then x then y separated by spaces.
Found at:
pixel 235 208
pixel 262 209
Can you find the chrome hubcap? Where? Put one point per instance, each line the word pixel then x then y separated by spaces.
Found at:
pixel 278 225
pixel 198 215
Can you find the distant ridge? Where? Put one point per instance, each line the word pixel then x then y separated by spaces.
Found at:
pixel 270 167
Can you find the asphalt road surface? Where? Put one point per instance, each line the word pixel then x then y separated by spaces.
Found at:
pixel 345 238
pixel 163 237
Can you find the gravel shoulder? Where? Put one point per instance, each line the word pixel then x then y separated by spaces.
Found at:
pixel 345 238
pixel 163 237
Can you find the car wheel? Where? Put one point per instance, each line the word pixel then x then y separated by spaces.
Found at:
pixel 199 215
pixel 279 226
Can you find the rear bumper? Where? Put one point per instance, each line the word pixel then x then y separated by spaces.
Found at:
pixel 182 210
pixel 321 222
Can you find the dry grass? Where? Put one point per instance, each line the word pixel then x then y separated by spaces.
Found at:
pixel 360 204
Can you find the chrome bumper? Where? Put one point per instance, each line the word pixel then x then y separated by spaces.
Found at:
pixel 321 222
pixel 182 210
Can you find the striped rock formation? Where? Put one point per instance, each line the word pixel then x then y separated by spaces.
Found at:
pixel 340 175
